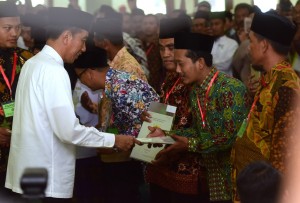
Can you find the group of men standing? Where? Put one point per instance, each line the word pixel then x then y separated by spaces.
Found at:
pixel 218 128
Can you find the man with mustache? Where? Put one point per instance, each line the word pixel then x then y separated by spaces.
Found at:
pixel 264 134
pixel 218 105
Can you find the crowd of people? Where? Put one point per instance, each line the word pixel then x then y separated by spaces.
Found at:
pixel 75 89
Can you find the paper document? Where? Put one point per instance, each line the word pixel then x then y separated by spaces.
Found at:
pixel 162 117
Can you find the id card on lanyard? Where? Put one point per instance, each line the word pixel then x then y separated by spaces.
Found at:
pixel 8 107
pixel 245 122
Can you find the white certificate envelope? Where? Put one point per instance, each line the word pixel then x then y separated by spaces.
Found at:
pixel 162 118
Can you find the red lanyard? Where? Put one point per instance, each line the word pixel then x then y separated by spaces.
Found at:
pixel 149 49
pixel 168 93
pixel 13 74
pixel 202 111
pixel 252 107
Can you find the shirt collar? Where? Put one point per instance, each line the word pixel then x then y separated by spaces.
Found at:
pixel 53 54
pixel 268 76
pixel 208 78
pixel 120 54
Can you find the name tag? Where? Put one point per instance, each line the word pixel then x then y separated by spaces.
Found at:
pixel 242 129
pixel 8 108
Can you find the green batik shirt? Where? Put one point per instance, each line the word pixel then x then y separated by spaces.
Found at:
pixel 6 61
pixel 226 108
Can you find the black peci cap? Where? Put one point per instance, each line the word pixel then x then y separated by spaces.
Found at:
pixel 69 17
pixel 274 27
pixel 169 27
pixel 8 9
pixel 194 41
pixel 93 57
pixel 218 15
pixel 105 27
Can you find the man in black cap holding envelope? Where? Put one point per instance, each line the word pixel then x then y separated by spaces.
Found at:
pixel 12 59
pixel 46 129
pixel 263 136
pixel 218 107
pixel 179 177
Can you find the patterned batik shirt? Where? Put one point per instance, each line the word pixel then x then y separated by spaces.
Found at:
pixel 124 61
pixel 6 61
pixel 155 66
pixel 175 93
pixel 269 121
pixel 226 108
pixel 135 48
pixel 186 173
pixel 130 96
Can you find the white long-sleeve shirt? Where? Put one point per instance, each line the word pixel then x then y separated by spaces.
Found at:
pixel 45 129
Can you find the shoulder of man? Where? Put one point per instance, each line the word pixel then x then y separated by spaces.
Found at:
pixel 25 54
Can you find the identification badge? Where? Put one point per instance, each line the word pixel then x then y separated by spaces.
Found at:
pixel 242 129
pixel 8 108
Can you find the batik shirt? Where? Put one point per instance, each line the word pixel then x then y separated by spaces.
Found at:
pixel 135 48
pixel 6 60
pixel 124 61
pixel 130 96
pixel 185 174
pixel 269 120
pixel 155 66
pixel 226 108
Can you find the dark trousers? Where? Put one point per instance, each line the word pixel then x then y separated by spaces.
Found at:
pixel 122 182
pixel 161 195
pixel 87 183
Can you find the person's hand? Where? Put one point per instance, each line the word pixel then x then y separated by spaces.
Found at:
pixel 145 116
pixel 5 135
pixel 171 151
pixel 155 132
pixel 125 142
pixel 87 103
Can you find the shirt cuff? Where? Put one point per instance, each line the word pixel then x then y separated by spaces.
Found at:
pixel 109 139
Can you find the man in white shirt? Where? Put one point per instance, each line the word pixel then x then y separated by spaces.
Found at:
pixel 45 129
pixel 224 47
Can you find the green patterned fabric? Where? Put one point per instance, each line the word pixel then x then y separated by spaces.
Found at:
pixel 227 107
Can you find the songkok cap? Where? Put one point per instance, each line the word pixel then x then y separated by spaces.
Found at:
pixel 69 17
pixel 274 27
pixel 93 57
pixel 108 27
pixel 217 15
pixel 8 9
pixel 202 14
pixel 194 41
pixel 169 27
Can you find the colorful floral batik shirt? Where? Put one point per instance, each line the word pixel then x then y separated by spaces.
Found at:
pixel 226 108
pixel 6 61
pixel 130 96
pixel 269 120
